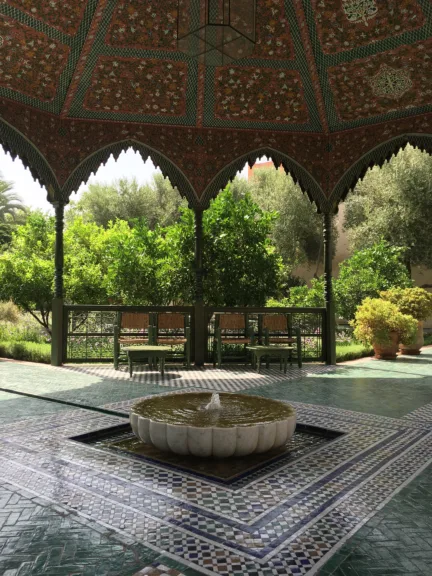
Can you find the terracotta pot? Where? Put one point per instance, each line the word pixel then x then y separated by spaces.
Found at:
pixel 414 349
pixel 387 351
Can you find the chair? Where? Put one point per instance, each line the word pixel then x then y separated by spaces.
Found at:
pixel 231 329
pixel 131 328
pixel 171 329
pixel 277 331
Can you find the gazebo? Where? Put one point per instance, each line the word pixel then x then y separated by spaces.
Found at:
pixel 326 88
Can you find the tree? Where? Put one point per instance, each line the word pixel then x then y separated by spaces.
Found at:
pixel 157 202
pixel 11 208
pixel 27 267
pixel 297 232
pixel 395 203
pixel 366 273
pixel 241 262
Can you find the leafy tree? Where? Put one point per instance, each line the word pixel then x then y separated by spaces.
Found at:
pixel 157 202
pixel 11 208
pixel 297 232
pixel 240 259
pixel 395 203
pixel 27 268
pixel 366 273
pixel 132 261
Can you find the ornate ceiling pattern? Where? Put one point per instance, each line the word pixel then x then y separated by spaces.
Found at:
pixel 77 78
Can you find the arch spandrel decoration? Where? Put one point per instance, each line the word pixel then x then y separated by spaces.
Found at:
pixel 376 157
pixel 299 174
pixel 92 163
pixel 17 145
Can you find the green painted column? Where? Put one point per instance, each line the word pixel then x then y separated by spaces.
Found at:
pixel 330 325
pixel 200 335
pixel 57 304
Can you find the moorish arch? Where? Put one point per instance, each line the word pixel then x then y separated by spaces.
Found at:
pixel 299 174
pixel 17 145
pixel 376 157
pixel 91 164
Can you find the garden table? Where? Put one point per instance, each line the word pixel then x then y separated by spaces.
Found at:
pixel 283 352
pixel 137 353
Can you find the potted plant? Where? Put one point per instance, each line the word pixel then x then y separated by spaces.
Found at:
pixel 380 323
pixel 417 302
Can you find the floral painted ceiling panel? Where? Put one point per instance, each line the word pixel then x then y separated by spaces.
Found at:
pixel 349 24
pixel 64 15
pixel 30 62
pixel 318 66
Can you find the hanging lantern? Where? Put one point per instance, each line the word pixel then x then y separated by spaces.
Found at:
pixel 216 32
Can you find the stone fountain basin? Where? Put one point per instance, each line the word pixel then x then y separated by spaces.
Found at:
pixel 212 440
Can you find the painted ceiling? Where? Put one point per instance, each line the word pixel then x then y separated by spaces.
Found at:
pixel 319 67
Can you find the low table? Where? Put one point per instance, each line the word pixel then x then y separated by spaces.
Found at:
pixel 137 353
pixel 284 352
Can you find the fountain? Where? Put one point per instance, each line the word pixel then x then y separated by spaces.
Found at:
pixel 213 425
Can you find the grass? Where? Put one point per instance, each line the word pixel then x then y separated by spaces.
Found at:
pixel 28 351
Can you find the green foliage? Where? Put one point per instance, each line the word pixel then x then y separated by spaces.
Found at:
pixel 352 351
pixel 303 296
pixel 26 351
pixel 376 318
pixel 11 211
pixel 297 232
pixel 158 203
pixel 366 273
pixel 395 203
pixel 416 302
pixel 241 263
pixel 27 267
pixel 131 260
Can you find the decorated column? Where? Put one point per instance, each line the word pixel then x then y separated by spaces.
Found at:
pixel 200 340
pixel 330 325
pixel 57 304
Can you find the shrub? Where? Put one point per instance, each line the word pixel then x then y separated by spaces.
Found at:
pixel 376 318
pixel 417 302
pixel 9 312
pixel 366 274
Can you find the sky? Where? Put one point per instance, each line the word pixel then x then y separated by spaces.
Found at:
pixel 129 164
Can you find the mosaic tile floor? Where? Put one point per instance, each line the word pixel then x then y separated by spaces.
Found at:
pixel 360 504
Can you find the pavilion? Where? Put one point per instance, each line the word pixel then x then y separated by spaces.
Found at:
pixel 327 88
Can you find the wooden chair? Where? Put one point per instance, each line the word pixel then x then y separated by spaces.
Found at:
pixel 277 331
pixel 171 329
pixel 131 328
pixel 231 329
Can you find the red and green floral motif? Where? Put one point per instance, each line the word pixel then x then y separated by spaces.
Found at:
pixel 151 24
pixel 273 37
pixel 138 86
pixel 260 95
pixel 338 34
pixel 30 63
pixel 354 83
pixel 65 15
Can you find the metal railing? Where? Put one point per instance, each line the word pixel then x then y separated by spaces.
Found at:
pixel 88 330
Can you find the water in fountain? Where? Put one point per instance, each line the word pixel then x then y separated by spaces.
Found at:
pixel 215 403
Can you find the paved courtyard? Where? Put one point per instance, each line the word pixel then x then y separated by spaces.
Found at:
pixel 357 504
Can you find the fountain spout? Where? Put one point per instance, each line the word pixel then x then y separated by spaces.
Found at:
pixel 215 403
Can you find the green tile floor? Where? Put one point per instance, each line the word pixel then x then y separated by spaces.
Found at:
pixel 38 538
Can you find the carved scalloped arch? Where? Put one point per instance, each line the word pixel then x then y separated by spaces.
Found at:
pixel 16 144
pixel 94 161
pixel 299 174
pixel 376 157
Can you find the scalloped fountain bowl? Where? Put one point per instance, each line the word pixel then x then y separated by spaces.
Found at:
pixel 218 425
